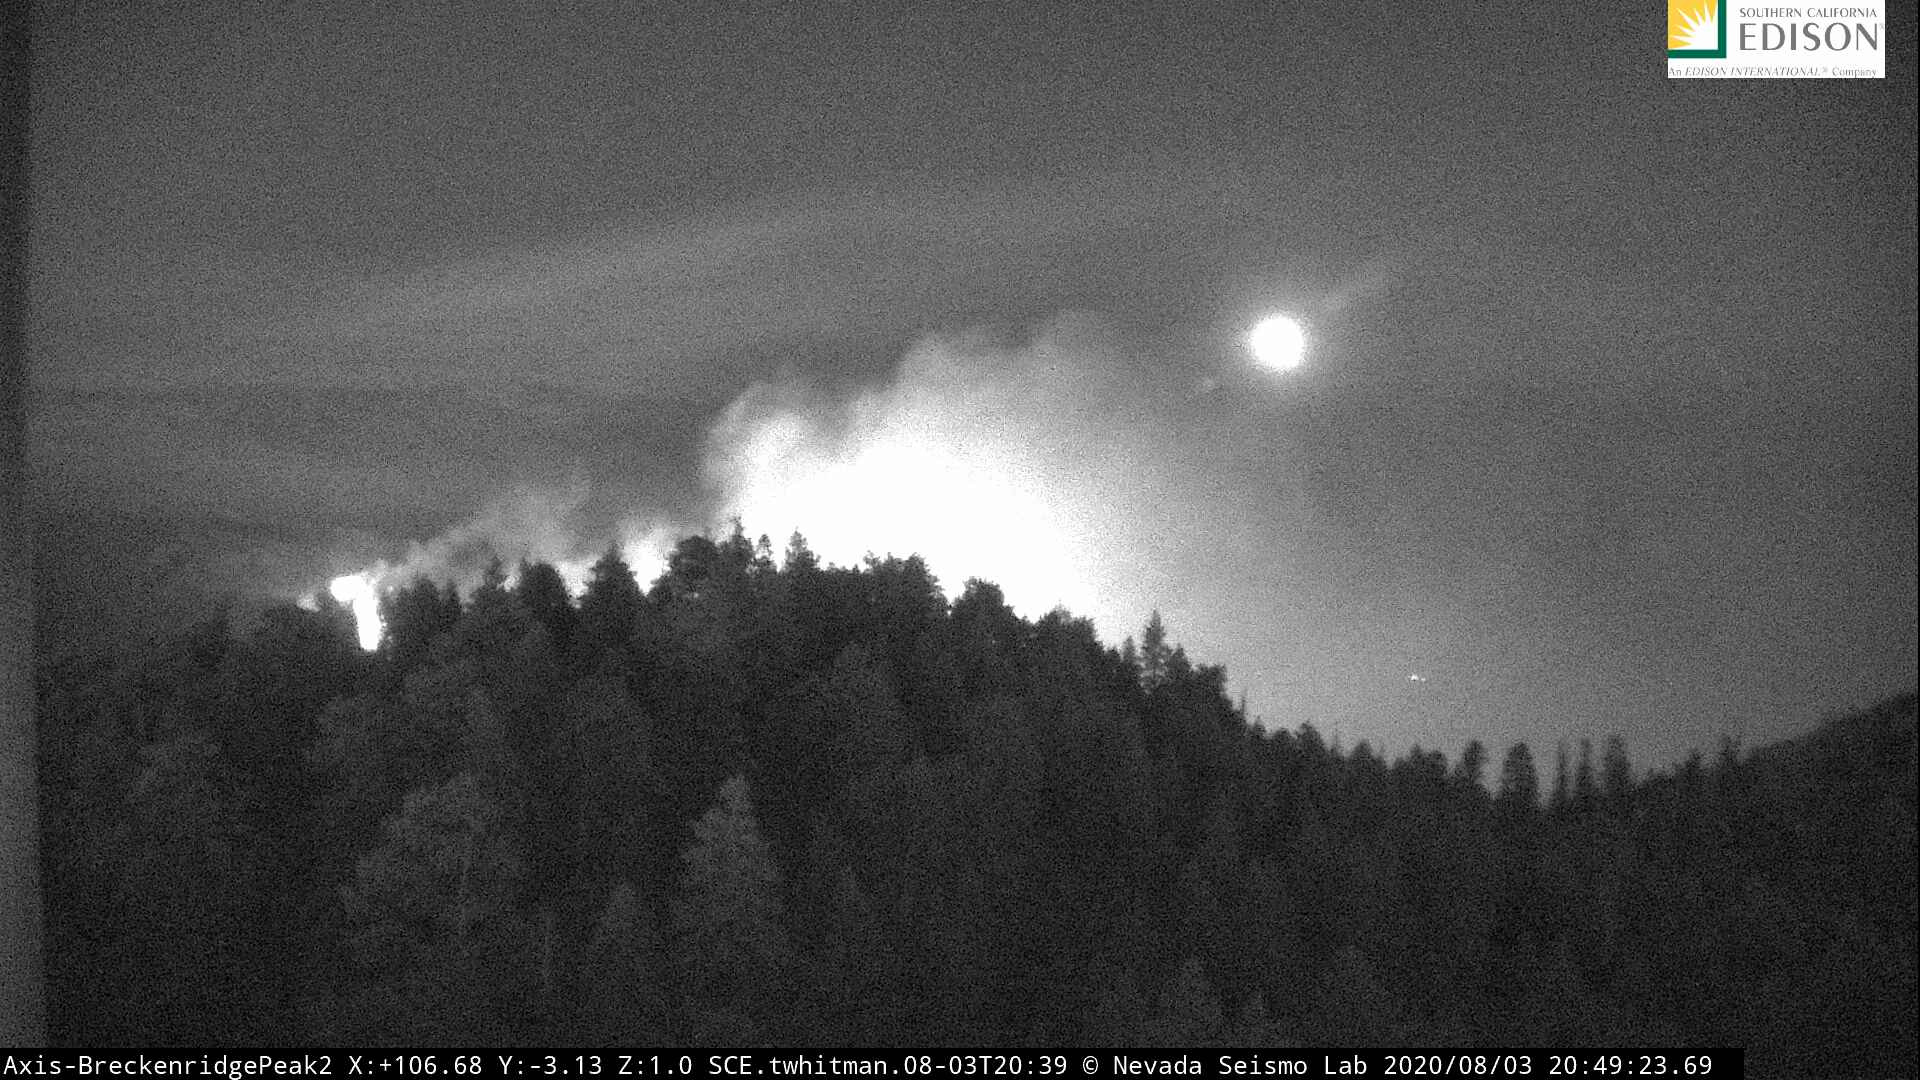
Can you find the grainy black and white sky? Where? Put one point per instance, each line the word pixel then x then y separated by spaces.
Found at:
pixel 1608 424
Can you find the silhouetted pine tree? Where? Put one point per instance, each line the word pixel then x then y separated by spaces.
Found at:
pixel 729 938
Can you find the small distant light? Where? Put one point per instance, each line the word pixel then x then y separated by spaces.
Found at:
pixel 1416 678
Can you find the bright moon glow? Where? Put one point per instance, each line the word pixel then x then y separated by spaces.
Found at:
pixel 357 592
pixel 1279 343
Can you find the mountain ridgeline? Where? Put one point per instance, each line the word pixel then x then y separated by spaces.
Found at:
pixel 776 802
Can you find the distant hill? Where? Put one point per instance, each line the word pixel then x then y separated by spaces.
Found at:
pixel 1873 746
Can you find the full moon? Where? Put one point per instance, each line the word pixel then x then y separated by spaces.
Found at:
pixel 1279 343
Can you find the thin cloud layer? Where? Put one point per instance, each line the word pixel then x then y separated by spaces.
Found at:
pixel 651 306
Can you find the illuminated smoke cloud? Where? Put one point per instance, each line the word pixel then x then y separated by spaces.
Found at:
pixel 531 524
pixel 527 524
pixel 1048 466
pixel 1024 465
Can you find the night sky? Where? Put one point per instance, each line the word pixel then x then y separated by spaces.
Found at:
pixel 1607 422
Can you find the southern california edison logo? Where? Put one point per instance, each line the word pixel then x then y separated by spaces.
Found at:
pixel 1696 29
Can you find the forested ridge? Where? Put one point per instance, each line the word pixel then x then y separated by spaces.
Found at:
pixel 768 801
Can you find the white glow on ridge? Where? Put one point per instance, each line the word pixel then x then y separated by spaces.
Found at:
pixel 358 593
pixel 908 480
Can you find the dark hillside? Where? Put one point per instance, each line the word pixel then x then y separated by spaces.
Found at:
pixel 766 802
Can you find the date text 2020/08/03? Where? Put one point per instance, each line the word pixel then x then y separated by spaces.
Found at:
pixel 471 1065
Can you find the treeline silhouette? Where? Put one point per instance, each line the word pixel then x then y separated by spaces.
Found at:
pixel 778 802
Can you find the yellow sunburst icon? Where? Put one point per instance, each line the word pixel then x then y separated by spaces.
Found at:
pixel 1694 27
